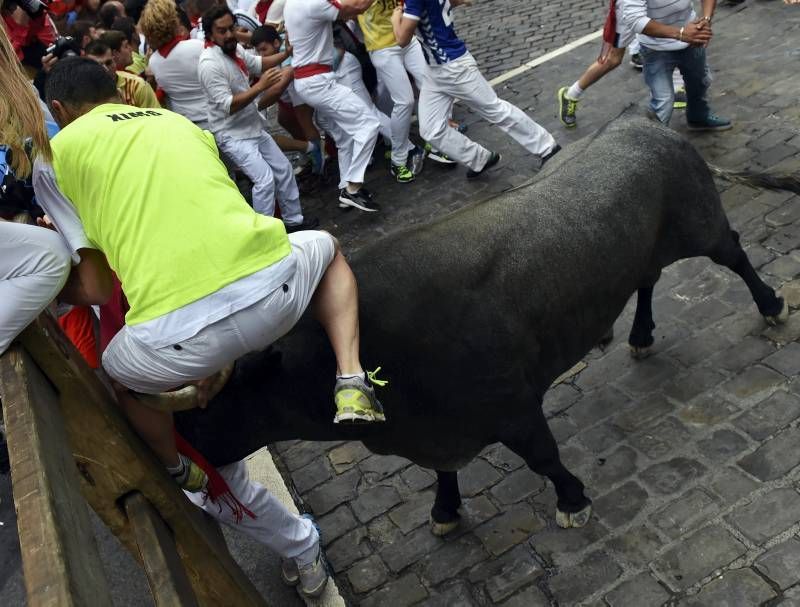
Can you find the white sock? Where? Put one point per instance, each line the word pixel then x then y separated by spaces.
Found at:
pixel 361 375
pixel 309 147
pixel 575 92
pixel 177 470
pixel 351 189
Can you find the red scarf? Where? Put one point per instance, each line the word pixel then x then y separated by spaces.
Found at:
pixel 239 61
pixel 166 49
pixel 262 8
pixel 609 32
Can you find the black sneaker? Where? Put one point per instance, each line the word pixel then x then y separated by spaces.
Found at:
pixel 556 149
pixel 493 160
pixel 309 223
pixel 361 200
pixel 636 61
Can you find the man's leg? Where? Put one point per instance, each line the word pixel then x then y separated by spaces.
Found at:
pixel 658 66
pixel 247 156
pixel 433 112
pixel 471 87
pixel 697 78
pixel 568 97
pixel 388 63
pixel 283 175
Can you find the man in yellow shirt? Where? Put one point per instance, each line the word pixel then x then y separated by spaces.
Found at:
pixel 207 278
pixel 132 89
pixel 393 63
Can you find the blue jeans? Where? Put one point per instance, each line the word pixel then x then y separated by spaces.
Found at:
pixel 658 67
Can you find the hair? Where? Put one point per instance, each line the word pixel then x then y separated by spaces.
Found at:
pixel 211 15
pixel 96 48
pixel 264 33
pixel 79 81
pixel 113 39
pixel 133 8
pixel 79 29
pixel 184 20
pixel 107 13
pixel 20 114
pixel 159 22
pixel 126 25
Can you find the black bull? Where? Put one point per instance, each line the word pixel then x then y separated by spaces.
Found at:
pixel 473 316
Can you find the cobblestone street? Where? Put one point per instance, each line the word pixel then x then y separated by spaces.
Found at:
pixel 691 456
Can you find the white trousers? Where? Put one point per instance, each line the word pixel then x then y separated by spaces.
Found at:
pixel 393 64
pixel 347 118
pixel 290 536
pixel 269 169
pixel 461 79
pixel 34 265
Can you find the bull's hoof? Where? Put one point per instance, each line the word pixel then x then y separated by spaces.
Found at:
pixel 779 318
pixel 640 353
pixel 566 520
pixel 442 529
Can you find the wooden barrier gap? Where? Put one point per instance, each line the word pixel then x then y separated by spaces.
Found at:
pixel 113 463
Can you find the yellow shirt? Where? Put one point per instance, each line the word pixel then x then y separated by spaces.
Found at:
pixel 153 195
pixel 135 91
pixel 376 25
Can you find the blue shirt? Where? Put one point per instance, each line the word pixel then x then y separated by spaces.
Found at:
pixel 435 29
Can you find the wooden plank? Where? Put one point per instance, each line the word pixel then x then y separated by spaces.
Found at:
pixel 60 559
pixel 162 564
pixel 114 462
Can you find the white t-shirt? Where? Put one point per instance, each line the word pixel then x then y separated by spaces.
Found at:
pixel 185 322
pixel 308 25
pixel 177 75
pixel 221 78
pixel 637 13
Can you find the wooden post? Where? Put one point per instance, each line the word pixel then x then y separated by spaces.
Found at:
pixel 59 555
pixel 113 462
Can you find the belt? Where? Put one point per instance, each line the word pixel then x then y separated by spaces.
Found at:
pixel 312 69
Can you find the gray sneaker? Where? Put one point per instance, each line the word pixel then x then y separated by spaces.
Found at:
pixel 356 401
pixel 290 574
pixel 313 577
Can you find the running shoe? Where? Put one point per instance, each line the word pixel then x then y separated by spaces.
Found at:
pixel 313 577
pixel 190 477
pixel 309 223
pixel 356 401
pixel 636 61
pixel 567 108
pixel 401 173
pixel 493 160
pixel 556 149
pixel 317 159
pixel 416 160
pixel 437 156
pixel 711 123
pixel 361 200
pixel 680 99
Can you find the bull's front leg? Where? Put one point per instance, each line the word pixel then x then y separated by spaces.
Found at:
pixel 444 514
pixel 641 339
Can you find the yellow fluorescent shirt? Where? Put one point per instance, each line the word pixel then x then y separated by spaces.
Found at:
pixel 153 195
pixel 135 91
pixel 376 25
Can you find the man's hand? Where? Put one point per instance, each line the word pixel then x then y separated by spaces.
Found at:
pixel 269 77
pixel 48 61
pixel 696 34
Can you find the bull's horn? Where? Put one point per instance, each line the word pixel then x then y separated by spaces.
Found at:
pixel 179 400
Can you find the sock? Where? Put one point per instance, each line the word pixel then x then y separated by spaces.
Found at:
pixel 575 92
pixel 310 147
pixel 361 375
pixel 351 189
pixel 179 469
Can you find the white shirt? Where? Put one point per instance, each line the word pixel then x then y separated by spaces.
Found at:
pixel 309 27
pixel 677 13
pixel 274 12
pixel 187 321
pixel 177 75
pixel 221 79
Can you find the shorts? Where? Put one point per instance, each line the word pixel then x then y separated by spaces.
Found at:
pixel 151 370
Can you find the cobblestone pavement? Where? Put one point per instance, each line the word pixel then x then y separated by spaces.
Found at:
pixel 691 456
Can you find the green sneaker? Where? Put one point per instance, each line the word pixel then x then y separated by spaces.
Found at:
pixel 401 173
pixel 567 108
pixel 356 401
pixel 680 99
pixel 190 477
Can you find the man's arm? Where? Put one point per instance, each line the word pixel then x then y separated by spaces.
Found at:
pixel 218 90
pixel 404 26
pixel 90 282
pixel 634 16
pixel 273 93
pixel 350 9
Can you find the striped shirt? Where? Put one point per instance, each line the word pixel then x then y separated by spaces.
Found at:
pixel 435 30
pixel 676 13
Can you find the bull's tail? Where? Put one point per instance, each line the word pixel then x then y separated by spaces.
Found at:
pixel 756 179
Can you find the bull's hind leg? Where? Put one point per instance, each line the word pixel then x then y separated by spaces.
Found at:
pixel 731 255
pixel 444 514
pixel 540 452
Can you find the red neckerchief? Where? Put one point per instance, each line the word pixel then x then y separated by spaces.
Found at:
pixel 609 32
pixel 262 7
pixel 166 49
pixel 239 61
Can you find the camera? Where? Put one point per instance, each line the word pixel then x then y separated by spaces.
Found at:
pixel 64 46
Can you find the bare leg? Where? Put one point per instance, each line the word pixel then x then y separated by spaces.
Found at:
pixel 287 144
pixel 154 427
pixel 335 306
pixel 305 118
pixel 597 70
